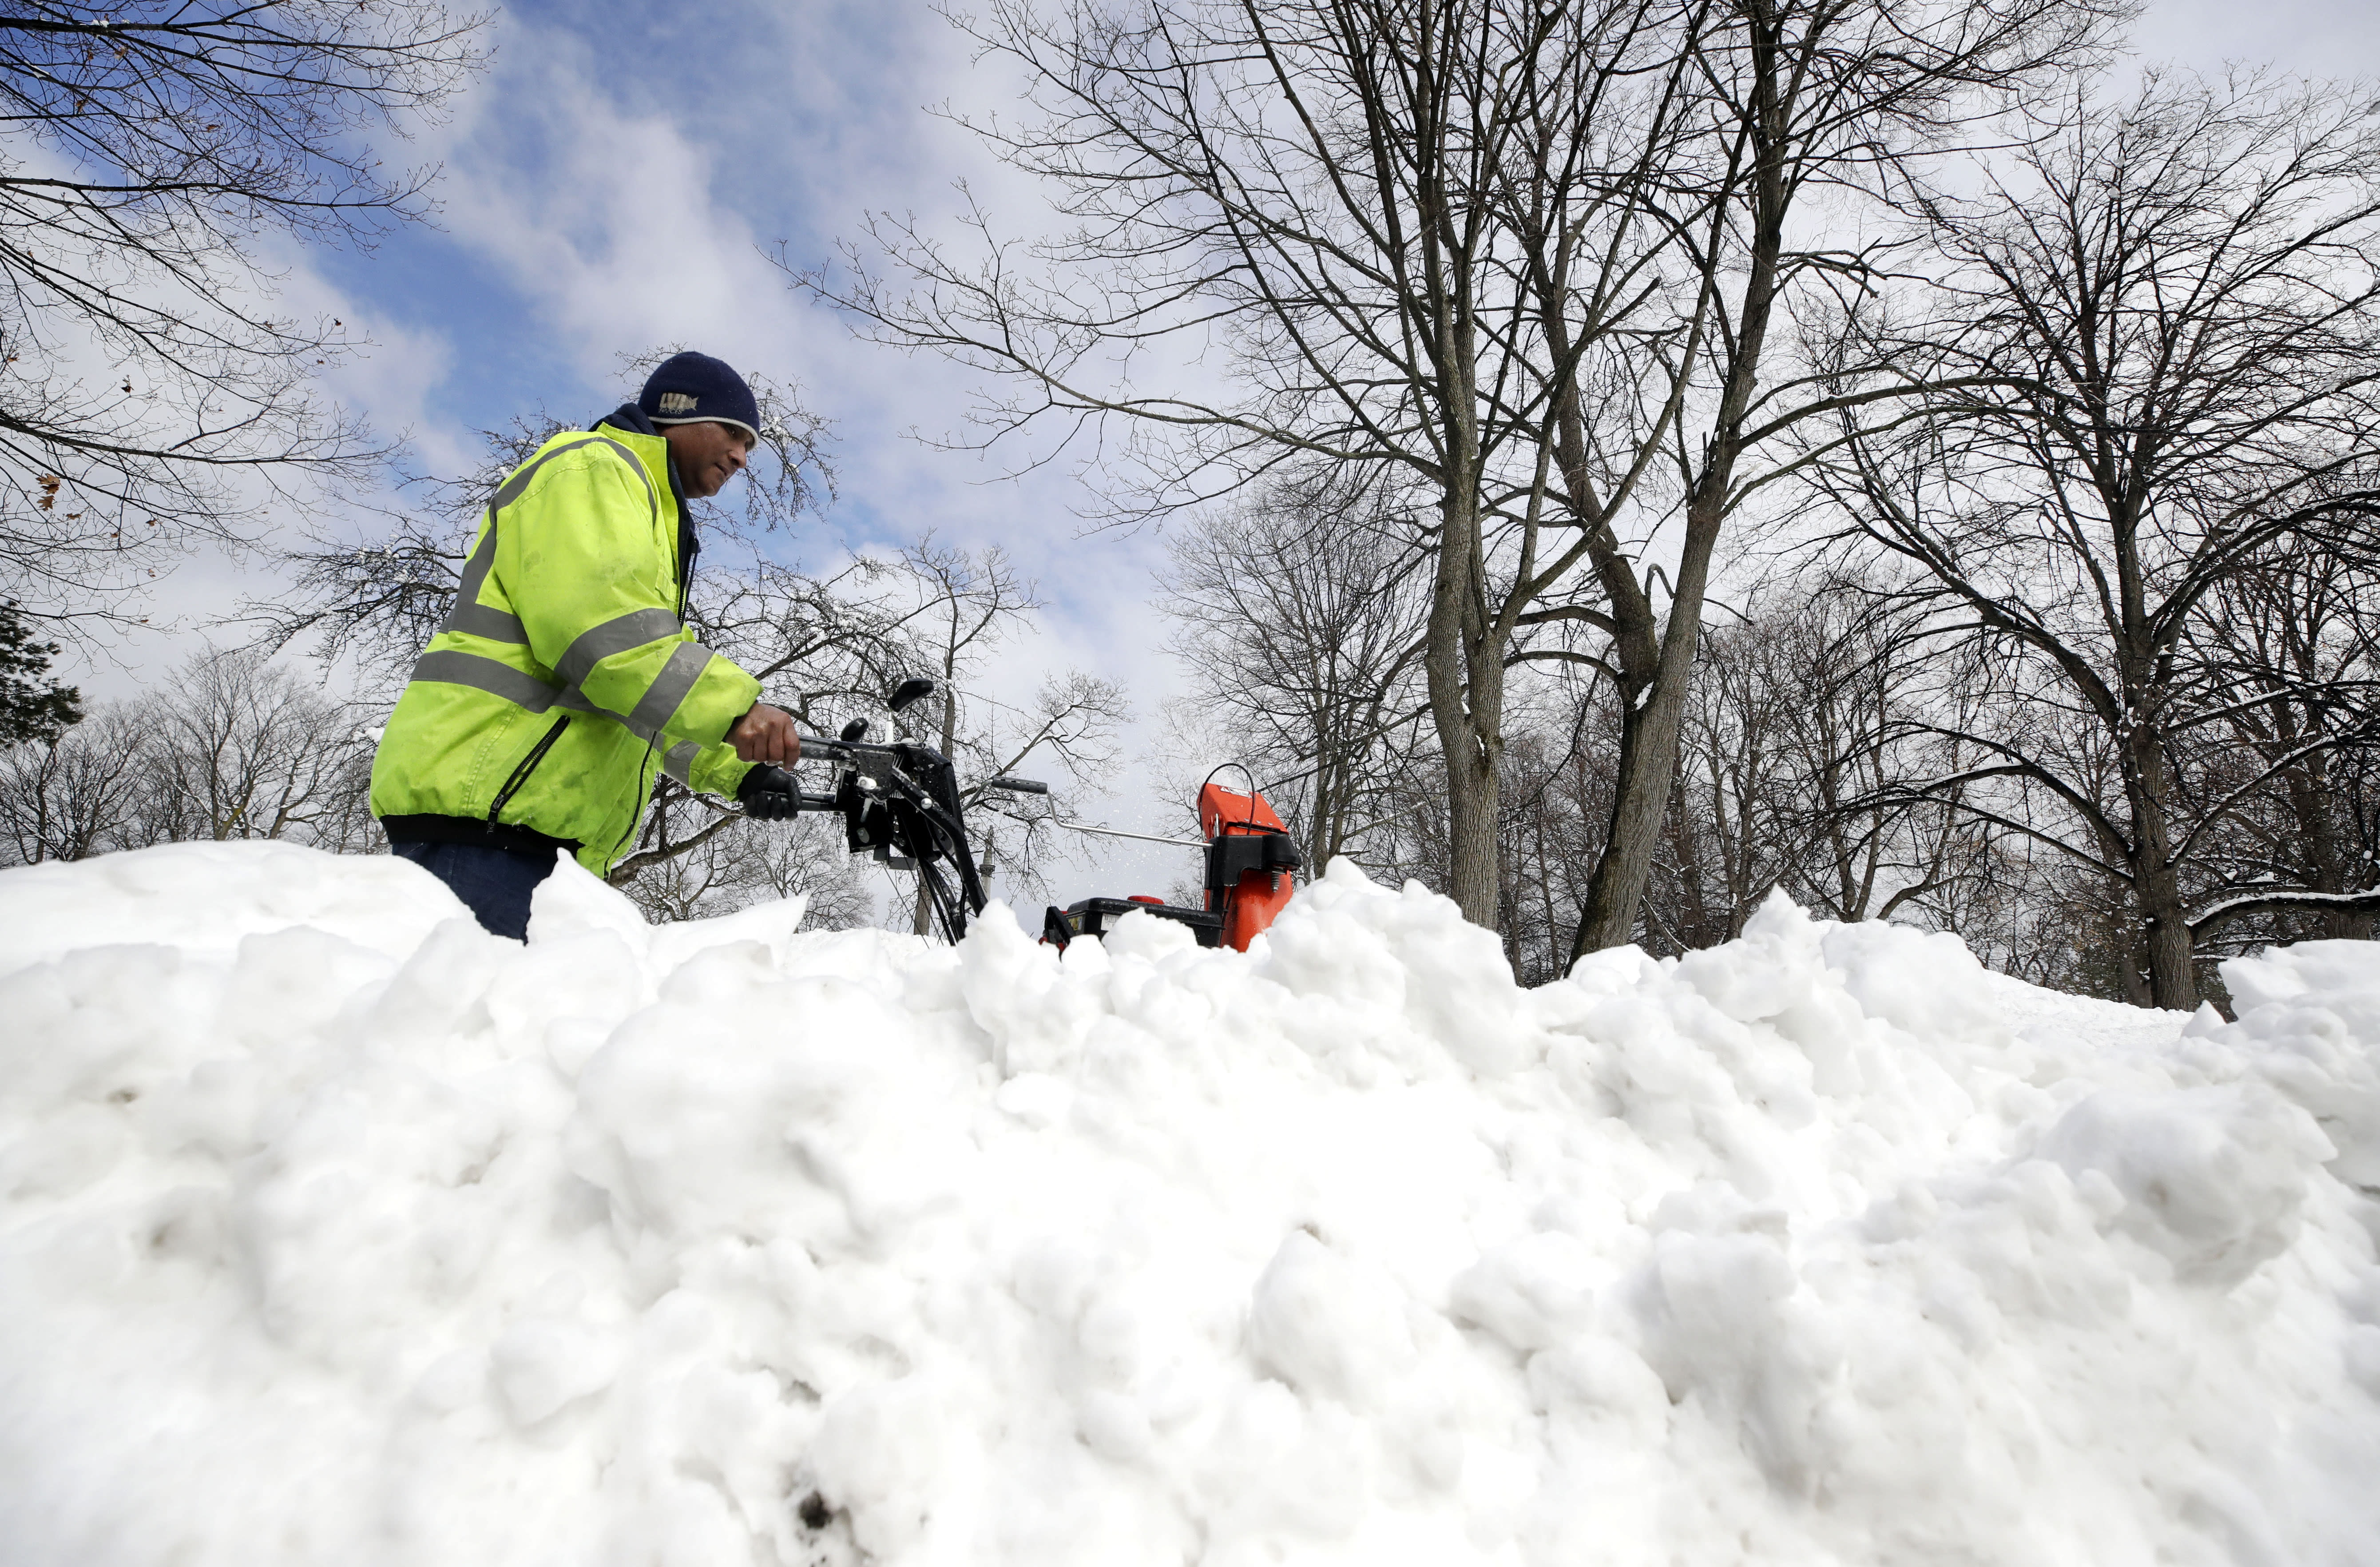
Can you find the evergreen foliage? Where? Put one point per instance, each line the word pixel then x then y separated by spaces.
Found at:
pixel 31 707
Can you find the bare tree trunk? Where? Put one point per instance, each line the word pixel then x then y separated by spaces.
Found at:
pixel 1467 698
pixel 1649 736
pixel 2156 884
pixel 1649 726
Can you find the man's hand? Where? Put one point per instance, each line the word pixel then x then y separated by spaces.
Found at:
pixel 768 793
pixel 766 734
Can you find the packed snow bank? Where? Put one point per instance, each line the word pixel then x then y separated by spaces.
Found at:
pixel 333 1230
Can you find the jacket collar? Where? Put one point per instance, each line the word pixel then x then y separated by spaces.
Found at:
pixel 629 417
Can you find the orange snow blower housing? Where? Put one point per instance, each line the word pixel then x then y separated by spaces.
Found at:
pixel 1251 870
pixel 1251 865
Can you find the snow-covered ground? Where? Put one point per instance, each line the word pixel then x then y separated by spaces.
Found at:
pixel 335 1231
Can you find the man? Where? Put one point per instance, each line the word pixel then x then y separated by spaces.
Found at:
pixel 566 677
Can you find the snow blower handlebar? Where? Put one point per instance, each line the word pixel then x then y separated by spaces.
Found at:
pixel 900 803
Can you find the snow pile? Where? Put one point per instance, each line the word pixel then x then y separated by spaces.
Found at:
pixel 335 1231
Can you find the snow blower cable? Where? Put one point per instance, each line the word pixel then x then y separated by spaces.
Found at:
pixel 1251 778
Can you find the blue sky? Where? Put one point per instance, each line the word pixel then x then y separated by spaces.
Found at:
pixel 613 182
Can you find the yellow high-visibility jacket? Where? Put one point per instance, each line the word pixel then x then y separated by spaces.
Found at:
pixel 566 677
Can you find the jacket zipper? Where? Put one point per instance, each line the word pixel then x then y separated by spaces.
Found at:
pixel 688 546
pixel 527 765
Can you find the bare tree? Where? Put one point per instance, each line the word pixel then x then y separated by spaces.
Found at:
pixel 1735 829
pixel 1797 101
pixel 152 397
pixel 226 747
pixel 237 748
pixel 968 605
pixel 75 794
pixel 1325 191
pixel 1522 259
pixel 2168 316
pixel 718 873
pixel 1799 728
pixel 1556 799
pixel 2295 647
pixel 1299 616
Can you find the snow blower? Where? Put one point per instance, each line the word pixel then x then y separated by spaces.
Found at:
pixel 1251 870
pixel 900 803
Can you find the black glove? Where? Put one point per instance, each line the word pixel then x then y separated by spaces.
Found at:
pixel 768 793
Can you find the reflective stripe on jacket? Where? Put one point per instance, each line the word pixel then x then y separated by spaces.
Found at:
pixel 564 677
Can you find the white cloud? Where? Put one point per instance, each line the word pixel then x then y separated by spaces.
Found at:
pixel 2320 38
pixel 614 235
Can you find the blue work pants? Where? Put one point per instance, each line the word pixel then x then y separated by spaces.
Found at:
pixel 494 885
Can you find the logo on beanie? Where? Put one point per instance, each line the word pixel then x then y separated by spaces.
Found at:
pixel 678 403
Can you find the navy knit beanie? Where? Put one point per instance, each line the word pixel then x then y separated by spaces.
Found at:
pixel 691 388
